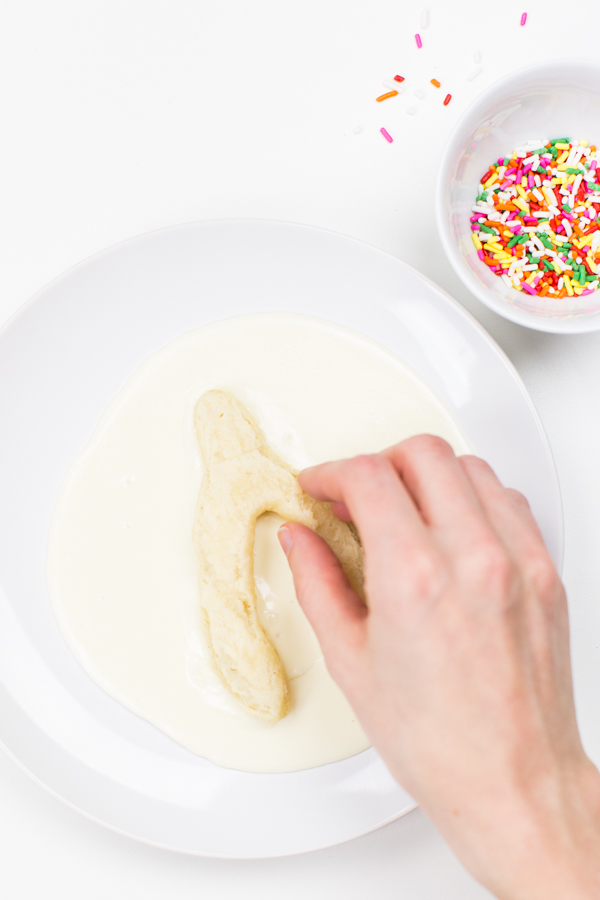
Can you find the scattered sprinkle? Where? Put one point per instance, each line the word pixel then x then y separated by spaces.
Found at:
pixel 474 73
pixel 418 40
pixel 523 19
pixel 477 57
pixel 385 96
pixel 419 95
pixel 357 129
pixel 389 85
pixel 535 222
pixel 387 136
pixel 411 110
pixel 399 78
pixel 447 99
pixel 424 19
pixel 435 82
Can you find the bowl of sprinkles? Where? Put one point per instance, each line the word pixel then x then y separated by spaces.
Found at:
pixel 518 201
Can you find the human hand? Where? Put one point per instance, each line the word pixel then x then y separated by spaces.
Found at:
pixel 459 668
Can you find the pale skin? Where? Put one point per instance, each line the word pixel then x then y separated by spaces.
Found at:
pixel 459 669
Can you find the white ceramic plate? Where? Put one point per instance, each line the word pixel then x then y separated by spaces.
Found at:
pixel 62 358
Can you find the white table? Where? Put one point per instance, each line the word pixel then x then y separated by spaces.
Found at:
pixel 122 116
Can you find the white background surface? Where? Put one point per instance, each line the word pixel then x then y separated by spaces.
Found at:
pixel 119 117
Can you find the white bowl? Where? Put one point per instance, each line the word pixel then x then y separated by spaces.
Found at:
pixel 552 99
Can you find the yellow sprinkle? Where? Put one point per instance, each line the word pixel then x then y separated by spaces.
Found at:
pixel 578 290
pixel 556 267
pixel 562 157
pixel 476 241
pixel 521 192
pixel 583 143
pixel 491 180
pixel 561 168
pixel 493 245
pixel 586 240
pixel 531 278
pixel 567 283
pixel 563 146
pixel 521 204
pixel 502 255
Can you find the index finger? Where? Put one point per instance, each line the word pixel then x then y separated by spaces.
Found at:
pixel 378 502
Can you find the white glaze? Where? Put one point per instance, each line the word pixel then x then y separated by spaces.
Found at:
pixel 121 567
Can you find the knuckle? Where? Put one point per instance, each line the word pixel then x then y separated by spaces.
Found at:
pixel 475 465
pixel 366 466
pixel 519 499
pixel 493 567
pixel 430 444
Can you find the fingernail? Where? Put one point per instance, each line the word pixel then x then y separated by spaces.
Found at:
pixel 285 539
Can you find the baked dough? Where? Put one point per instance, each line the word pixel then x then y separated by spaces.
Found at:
pixel 244 478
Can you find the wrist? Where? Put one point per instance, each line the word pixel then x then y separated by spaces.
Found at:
pixel 551 848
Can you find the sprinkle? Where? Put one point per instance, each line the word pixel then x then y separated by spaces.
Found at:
pixel 399 78
pixel 357 129
pixel 447 99
pixel 541 233
pixel 474 73
pixel 387 136
pixel 418 40
pixel 435 82
pixel 477 57
pixel 523 19
pixel 419 95
pixel 424 19
pixel 411 111
pixel 385 96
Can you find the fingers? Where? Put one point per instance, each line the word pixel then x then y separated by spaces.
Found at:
pixel 438 485
pixel 368 491
pixel 511 518
pixel 335 611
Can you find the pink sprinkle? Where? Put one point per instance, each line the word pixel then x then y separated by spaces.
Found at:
pixel 510 172
pixel 505 184
pixel 481 255
pixel 584 293
pixel 530 181
pixel 526 169
pixel 474 227
pixel 593 164
pixel 418 40
pixel 387 136
pixel 528 288
pixel 523 18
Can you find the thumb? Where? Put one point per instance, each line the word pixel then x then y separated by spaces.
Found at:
pixel 333 608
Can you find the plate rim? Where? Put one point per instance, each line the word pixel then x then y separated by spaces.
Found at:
pixel 444 298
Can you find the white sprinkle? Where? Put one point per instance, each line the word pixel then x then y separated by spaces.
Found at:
pixel 538 194
pixel 411 111
pixel 424 18
pixel 474 73
pixel 567 226
pixel 477 57
pixel 419 95
pixel 392 85
pixel 357 129
pixel 532 267
pixel 507 281
pixel 580 209
pixel 561 281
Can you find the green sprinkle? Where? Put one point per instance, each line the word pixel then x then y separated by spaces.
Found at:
pixel 488 229
pixel 571 171
pixel 524 238
pixel 543 238
pixel 560 141
pixel 547 265
pixel 506 160
pixel 514 240
pixel 590 277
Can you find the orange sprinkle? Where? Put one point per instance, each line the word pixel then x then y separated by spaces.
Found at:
pixel 385 96
pixel 447 99
pixel 435 82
